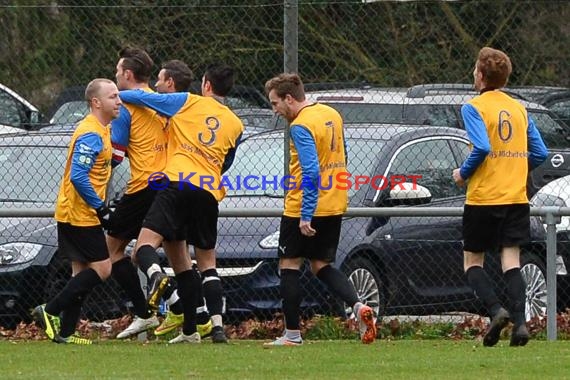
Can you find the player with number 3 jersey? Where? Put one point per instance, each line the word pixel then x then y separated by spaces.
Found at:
pixel 203 134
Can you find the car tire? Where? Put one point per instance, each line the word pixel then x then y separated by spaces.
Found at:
pixel 533 271
pixel 368 284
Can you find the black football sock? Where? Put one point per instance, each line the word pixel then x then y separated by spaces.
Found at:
pixel 125 273
pixel 202 314
pixel 69 319
pixel 291 294
pixel 75 291
pixel 481 285
pixel 338 284
pixel 213 292
pixel 188 283
pixel 176 307
pixel 146 256
pixel 516 288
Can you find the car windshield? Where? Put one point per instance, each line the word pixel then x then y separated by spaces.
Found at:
pixel 369 113
pixel 257 119
pixel 554 134
pixel 30 173
pixel 262 160
pixel 395 113
pixel 70 112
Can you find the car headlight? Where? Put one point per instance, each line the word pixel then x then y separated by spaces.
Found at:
pixel 271 241
pixel 18 253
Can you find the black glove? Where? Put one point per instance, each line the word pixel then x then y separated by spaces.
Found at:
pixel 104 215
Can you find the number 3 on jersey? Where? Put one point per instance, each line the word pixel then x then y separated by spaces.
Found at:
pixel 213 125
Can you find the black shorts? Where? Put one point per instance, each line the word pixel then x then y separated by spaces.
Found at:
pixel 322 246
pixel 185 213
pixel 487 228
pixel 83 244
pixel 126 221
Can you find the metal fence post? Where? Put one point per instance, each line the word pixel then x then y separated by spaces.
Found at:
pixel 290 36
pixel 551 221
pixel 290 55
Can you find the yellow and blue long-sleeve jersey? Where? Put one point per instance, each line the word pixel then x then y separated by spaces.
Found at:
pixel 202 136
pixel 318 156
pixel 86 175
pixel 505 141
pixel 140 133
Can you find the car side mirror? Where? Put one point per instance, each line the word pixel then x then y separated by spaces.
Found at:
pixel 408 194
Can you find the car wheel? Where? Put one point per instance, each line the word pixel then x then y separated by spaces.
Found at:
pixel 367 282
pixel 534 275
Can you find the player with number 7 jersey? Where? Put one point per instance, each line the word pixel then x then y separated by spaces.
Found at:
pixel 323 125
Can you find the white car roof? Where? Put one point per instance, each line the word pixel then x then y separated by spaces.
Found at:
pixel 397 96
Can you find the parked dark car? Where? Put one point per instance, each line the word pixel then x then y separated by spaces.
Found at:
pixel 399 265
pixel 440 105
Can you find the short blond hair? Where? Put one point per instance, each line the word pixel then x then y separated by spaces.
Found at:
pixel 94 88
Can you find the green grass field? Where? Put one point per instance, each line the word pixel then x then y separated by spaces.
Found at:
pixel 405 359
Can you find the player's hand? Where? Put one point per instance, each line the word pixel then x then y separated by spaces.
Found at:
pixel 306 229
pixel 457 178
pixel 104 214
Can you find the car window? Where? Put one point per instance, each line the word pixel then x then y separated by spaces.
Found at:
pixel 9 110
pixel 432 114
pixel 258 158
pixel 237 103
pixel 70 112
pixel 433 161
pixel 362 157
pixel 554 134
pixel 461 149
pixel 562 111
pixel 37 180
pixel 263 158
pixel 33 180
pixel 369 113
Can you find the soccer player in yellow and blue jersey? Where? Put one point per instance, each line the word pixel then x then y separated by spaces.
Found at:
pixel 174 76
pixel 202 137
pixel 506 145
pixel 81 213
pixel 311 223
pixel 140 134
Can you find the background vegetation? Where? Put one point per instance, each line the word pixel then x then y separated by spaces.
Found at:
pixel 49 45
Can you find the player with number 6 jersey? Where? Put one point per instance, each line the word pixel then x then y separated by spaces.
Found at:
pixel 496 217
